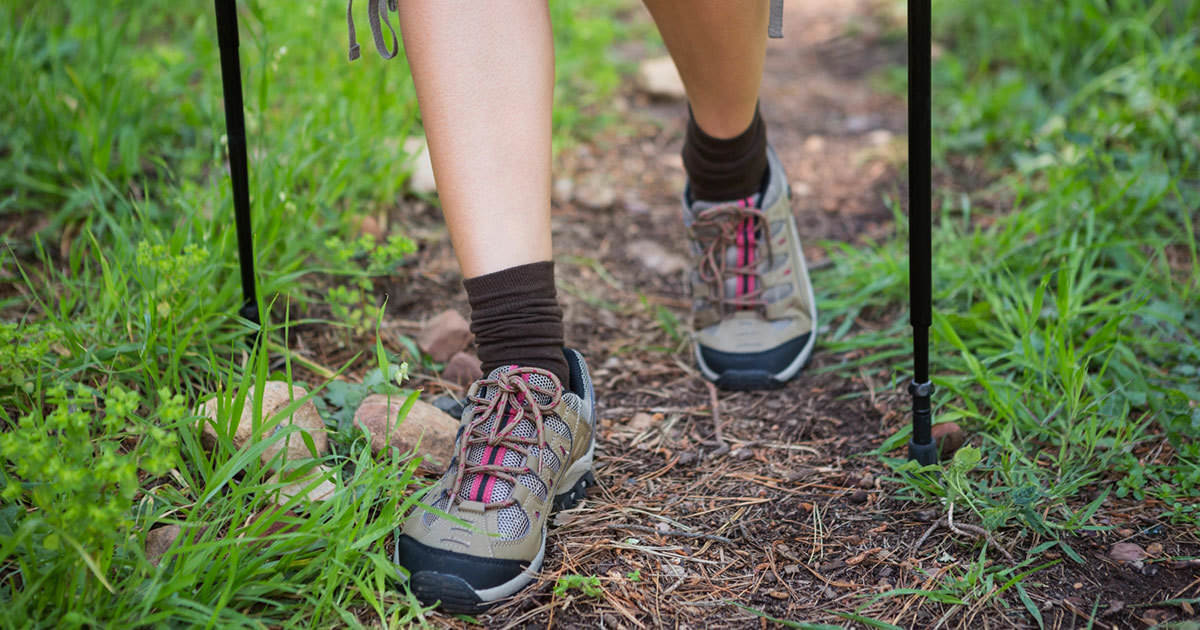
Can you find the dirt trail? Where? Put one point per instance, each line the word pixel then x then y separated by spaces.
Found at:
pixel 789 520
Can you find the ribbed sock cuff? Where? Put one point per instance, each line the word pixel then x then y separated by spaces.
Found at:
pixel 725 169
pixel 516 318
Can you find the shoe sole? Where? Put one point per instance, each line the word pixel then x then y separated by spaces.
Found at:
pixel 457 596
pixel 756 380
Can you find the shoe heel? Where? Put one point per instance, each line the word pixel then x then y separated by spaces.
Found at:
pixel 577 493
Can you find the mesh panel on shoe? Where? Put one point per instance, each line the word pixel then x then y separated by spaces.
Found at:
pixel 501 488
pixel 512 522
pixel 440 504
pixel 778 292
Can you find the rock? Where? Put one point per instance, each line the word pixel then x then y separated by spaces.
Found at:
pixel 319 492
pixel 421 180
pixel 879 137
pixel 949 437
pixel 564 190
pixel 449 405
pixel 742 454
pixel 859 123
pixel 595 193
pixel 444 335
pixel 275 396
pixel 659 78
pixel 653 256
pixel 426 428
pixel 858 497
pixel 463 369
pixel 640 422
pixel 368 225
pixel 814 144
pixel 801 189
pixel 1154 549
pixel 159 540
pixel 866 482
pixel 1128 553
pixel 687 458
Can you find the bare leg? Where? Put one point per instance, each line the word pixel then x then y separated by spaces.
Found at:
pixel 719 47
pixel 485 82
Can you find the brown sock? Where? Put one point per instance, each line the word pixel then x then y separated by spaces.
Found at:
pixel 516 319
pixel 725 169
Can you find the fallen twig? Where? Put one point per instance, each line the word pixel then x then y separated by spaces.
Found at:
pixel 722 445
pixel 962 529
pixel 672 532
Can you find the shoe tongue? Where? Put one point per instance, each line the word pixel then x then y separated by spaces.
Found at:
pixel 536 379
pixel 747 202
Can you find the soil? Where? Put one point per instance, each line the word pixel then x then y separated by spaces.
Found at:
pixel 793 519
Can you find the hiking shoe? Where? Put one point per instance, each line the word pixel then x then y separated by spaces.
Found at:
pixel 753 310
pixel 524 450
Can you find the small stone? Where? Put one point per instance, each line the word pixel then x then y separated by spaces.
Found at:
pixel 814 144
pixel 687 458
pixel 276 395
pixel 320 492
pixel 463 369
pixel 426 428
pixel 595 193
pixel 659 78
pixel 866 482
pixel 564 190
pixel 368 225
pixel 859 123
pixel 879 137
pixel 1154 549
pixel 1128 553
pixel 611 363
pixel 159 540
pixel 801 189
pixel 654 257
pixel 742 454
pixel 640 422
pixel 663 528
pixel 949 437
pixel 421 180
pixel 858 497
pixel 925 516
pixel 1125 532
pixel 444 335
pixel 673 570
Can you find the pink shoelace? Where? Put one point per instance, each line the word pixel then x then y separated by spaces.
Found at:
pixel 732 225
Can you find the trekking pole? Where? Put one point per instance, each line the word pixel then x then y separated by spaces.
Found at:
pixel 920 447
pixel 235 132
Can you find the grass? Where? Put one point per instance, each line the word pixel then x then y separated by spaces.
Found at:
pixel 1066 283
pixel 1067 287
pixel 120 284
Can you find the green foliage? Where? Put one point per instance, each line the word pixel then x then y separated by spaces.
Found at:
pixel 588 585
pixel 77 475
pixel 1066 285
pixel 114 147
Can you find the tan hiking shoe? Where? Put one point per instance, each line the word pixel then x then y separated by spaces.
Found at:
pixel 524 450
pixel 753 310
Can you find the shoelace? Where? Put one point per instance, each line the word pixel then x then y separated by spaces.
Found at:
pixel 720 228
pixel 513 394
pixel 377 12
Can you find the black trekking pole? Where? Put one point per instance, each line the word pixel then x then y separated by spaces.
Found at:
pixel 920 447
pixel 235 132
